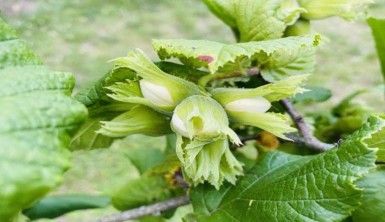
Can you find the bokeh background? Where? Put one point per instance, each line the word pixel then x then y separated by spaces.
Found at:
pixel 81 36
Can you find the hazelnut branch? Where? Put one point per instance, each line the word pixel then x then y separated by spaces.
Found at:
pixel 147 210
pixel 304 130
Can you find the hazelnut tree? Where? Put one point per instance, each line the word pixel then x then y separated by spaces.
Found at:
pixel 237 149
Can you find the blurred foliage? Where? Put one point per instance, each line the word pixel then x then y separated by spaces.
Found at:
pixel 342 120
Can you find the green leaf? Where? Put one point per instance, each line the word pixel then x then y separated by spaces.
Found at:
pixel 152 183
pixel 36 117
pixel 55 206
pixel 373 199
pixel 378 31
pixel 206 200
pixel 320 9
pixel 277 59
pixel 142 191
pixel 284 187
pixel 378 140
pixel 110 164
pixel 15 52
pixel 181 213
pixel 144 159
pixel 181 71
pixel 256 20
pixel 29 78
pixel 314 94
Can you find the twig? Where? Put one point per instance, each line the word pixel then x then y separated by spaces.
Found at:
pixel 146 210
pixel 304 130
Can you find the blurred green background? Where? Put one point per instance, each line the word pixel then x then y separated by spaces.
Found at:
pixel 81 36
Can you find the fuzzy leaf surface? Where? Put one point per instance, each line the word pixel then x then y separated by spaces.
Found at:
pixel 256 20
pixel 373 199
pixel 101 108
pixel 36 117
pixel 284 187
pixel 276 59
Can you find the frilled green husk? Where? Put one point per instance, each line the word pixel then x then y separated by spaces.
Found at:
pixel 202 129
pixel 274 123
pixel 157 88
pixel 210 161
pixel 139 120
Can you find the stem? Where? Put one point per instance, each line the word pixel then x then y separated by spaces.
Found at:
pixel 147 210
pixel 304 130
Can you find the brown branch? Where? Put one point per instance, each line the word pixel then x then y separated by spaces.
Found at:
pixel 146 210
pixel 304 130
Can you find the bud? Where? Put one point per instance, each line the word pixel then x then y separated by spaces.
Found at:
pixel 320 9
pixel 139 120
pixel 202 129
pixel 250 106
pixel 162 90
